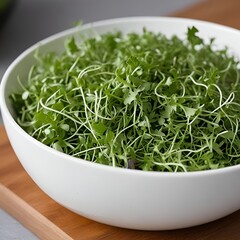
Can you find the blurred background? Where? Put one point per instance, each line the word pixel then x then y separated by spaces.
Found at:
pixel 25 22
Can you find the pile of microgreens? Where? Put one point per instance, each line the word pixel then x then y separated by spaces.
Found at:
pixel 141 101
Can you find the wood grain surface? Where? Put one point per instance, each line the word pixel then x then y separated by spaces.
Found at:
pixel 21 197
pixel 226 12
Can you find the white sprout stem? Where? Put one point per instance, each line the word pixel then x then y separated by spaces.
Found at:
pixel 86 114
pixel 227 68
pixel 232 155
pixel 87 150
pixel 173 141
pixel 124 129
pixel 20 83
pixel 238 78
pixel 74 65
pixel 96 106
pixel 219 134
pixel 53 95
pixel 88 69
pixel 38 129
pixel 235 133
pixel 114 140
pixel 135 70
pixel 198 84
pixel 76 132
pixel 227 101
pixel 130 144
pixel 61 113
pixel 172 164
pixel 184 90
pixel 191 151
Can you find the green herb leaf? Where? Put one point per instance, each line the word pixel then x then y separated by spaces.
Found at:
pixel 192 36
pixel 72 46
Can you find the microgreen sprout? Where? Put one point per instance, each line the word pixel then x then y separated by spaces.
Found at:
pixel 137 101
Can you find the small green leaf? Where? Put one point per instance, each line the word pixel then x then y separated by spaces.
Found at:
pixel 41 118
pixel 72 46
pixel 217 148
pixel 169 81
pixel 57 146
pixel 169 109
pixel 110 136
pixel 189 112
pixel 143 124
pixel 131 96
pixel 65 127
pixel 192 37
pixel 25 95
pixel 228 135
pixel 47 131
pixel 99 128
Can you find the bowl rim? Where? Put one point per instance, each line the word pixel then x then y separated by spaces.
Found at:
pixel 5 111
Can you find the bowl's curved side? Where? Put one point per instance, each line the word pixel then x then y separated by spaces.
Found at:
pixel 120 197
pixel 126 198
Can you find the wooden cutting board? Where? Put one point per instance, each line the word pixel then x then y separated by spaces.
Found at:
pixel 21 197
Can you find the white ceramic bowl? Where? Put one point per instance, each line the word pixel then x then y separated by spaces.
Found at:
pixel 121 197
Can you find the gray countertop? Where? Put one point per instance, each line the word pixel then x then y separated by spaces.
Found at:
pixel 32 21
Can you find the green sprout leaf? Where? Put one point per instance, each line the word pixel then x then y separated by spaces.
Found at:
pixel 192 36
pixel 72 46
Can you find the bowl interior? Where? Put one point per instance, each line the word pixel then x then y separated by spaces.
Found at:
pixel 169 26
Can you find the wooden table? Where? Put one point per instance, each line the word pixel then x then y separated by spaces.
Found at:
pixel 226 12
pixel 20 196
